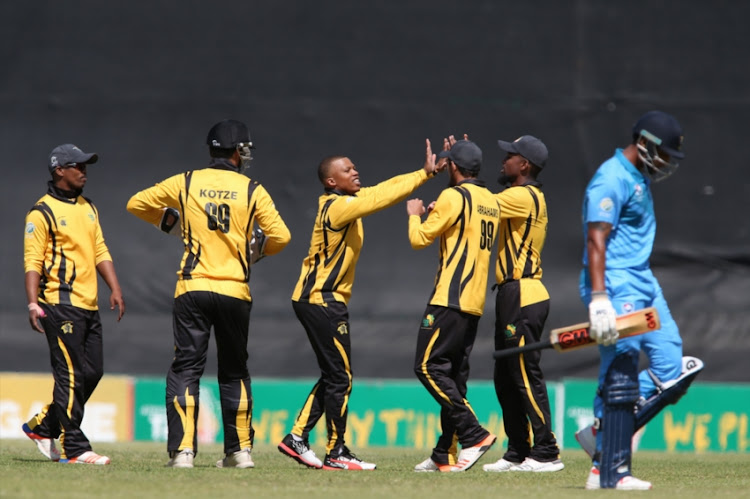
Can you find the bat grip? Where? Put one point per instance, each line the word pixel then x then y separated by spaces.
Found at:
pixel 508 352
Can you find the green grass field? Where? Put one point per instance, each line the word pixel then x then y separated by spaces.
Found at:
pixel 137 470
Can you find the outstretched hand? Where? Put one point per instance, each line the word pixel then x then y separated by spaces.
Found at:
pixel 429 159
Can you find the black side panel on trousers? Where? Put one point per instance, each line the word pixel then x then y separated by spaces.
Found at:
pixel 193 316
pixel 327 329
pixel 446 338
pixel 74 336
pixel 519 381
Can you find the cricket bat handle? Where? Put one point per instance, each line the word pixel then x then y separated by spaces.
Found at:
pixel 509 352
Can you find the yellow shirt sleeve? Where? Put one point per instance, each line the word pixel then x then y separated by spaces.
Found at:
pixel 442 216
pixel 149 203
pixel 270 221
pixel 35 242
pixel 370 200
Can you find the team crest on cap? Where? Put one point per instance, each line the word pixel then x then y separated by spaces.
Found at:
pixel 67 327
pixel 53 161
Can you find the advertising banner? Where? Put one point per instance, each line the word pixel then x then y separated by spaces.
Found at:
pixel 108 414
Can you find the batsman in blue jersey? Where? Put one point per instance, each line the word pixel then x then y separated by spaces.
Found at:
pixel 619 228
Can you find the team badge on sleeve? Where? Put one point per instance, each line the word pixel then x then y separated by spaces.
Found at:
pixel 606 205
pixel 30 229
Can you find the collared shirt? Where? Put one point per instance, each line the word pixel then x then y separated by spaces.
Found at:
pixel 620 195
pixel 64 243
pixel 327 273
pixel 465 218
pixel 218 209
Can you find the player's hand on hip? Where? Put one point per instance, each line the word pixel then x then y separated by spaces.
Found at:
pixel 602 317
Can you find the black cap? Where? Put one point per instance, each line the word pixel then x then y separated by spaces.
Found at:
pixel 68 154
pixel 228 134
pixel 465 154
pixel 529 147
pixel 663 130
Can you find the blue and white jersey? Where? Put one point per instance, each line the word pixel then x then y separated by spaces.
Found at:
pixel 619 194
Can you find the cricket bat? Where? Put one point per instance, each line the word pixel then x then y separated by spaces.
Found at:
pixel 568 338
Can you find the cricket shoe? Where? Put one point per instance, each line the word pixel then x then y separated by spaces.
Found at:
pixel 181 459
pixel 300 451
pixel 625 483
pixel 592 482
pixel 470 455
pixel 239 459
pixel 586 438
pixel 428 465
pixel 346 461
pixel 500 466
pixel 45 445
pixel 88 457
pixel 535 466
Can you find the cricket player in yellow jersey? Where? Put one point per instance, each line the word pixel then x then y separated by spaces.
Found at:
pixel 521 309
pixel 322 293
pixel 218 207
pixel 465 218
pixel 63 251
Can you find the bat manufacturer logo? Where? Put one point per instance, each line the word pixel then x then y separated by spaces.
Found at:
pixel 67 327
pixel 650 320
pixel 575 338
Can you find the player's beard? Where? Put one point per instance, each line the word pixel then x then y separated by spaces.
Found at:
pixel 506 180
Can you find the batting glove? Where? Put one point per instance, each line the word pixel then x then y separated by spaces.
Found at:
pixel 603 327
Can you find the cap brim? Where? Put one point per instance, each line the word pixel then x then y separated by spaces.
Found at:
pixel 444 154
pixel 507 146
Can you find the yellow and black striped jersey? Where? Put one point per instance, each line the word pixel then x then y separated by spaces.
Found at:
pixel 64 243
pixel 523 231
pixel 218 208
pixel 328 269
pixel 465 217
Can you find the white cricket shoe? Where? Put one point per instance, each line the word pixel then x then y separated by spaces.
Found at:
pixel 470 455
pixel 45 445
pixel 632 483
pixel 592 482
pixel 428 465
pixel 535 466
pixel 239 459
pixel 500 465
pixel 88 457
pixel 181 459
pixel 625 483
